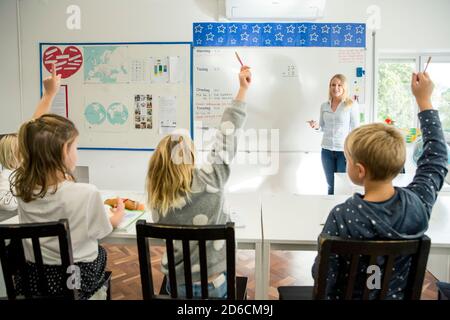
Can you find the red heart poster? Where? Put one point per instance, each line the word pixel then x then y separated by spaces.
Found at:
pixel 67 63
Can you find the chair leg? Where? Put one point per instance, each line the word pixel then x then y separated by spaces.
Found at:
pixel 108 292
pixel 108 275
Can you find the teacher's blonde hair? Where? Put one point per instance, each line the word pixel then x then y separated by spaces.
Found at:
pixel 347 100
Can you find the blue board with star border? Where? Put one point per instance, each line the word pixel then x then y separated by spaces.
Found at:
pixel 291 63
pixel 343 35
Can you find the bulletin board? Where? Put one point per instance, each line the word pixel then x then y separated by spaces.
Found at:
pixel 122 95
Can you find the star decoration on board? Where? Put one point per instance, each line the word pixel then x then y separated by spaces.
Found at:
pixel 244 36
pixel 348 37
pixel 336 29
pixel 256 28
pixel 198 28
pixel 279 36
pixel 251 34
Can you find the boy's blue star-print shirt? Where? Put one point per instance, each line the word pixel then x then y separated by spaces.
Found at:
pixel 404 216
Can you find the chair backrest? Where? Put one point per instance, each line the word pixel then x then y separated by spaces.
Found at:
pixel 81 174
pixel 390 250
pixel 185 233
pixel 15 233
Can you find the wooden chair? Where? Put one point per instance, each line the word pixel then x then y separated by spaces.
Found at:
pixel 13 257
pixel 389 249
pixel 236 286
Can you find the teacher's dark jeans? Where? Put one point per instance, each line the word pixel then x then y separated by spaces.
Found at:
pixel 332 161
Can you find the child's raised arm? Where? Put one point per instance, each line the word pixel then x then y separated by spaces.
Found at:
pixel 216 171
pixel 51 88
pixel 432 164
pixel 245 77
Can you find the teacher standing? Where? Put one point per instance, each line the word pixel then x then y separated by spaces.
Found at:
pixel 338 116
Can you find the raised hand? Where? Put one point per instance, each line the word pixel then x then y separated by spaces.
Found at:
pixel 52 83
pixel 422 89
pixel 245 77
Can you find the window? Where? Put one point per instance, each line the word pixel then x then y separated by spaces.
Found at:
pixel 394 99
pixel 439 71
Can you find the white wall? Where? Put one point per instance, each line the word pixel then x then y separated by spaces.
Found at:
pixel 10 108
pixel 405 25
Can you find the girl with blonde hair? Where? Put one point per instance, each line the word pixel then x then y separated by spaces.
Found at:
pixel 181 194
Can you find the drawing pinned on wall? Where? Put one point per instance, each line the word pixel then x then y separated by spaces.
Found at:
pixel 143 111
pixel 67 62
pixel 106 116
pixel 351 56
pixel 167 114
pixel 358 86
pixel 106 64
pixel 60 105
pixel 117 114
pixel 176 70
pixel 159 69
pixel 138 70
pixel 95 113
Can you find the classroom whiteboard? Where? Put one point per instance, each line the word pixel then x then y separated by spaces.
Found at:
pixel 122 95
pixel 289 85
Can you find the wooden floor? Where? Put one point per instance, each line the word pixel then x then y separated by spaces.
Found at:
pixel 285 270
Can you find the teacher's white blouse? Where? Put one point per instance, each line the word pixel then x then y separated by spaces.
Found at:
pixel 337 125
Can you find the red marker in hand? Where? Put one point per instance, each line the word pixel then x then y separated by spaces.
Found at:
pixel 239 59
